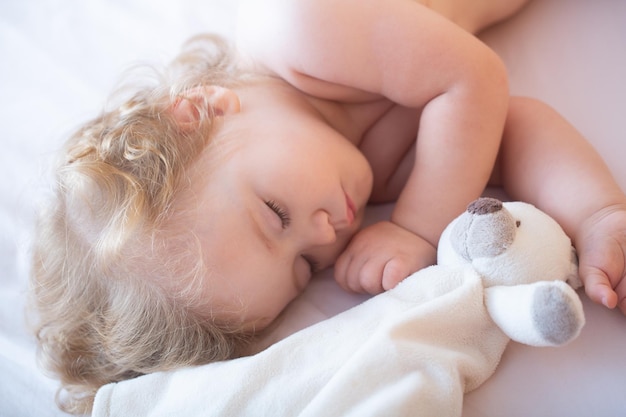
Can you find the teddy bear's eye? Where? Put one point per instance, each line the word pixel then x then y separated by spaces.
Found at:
pixel 517 223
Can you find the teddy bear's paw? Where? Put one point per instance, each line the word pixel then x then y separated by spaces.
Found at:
pixel 557 312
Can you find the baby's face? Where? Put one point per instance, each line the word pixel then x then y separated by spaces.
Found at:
pixel 282 205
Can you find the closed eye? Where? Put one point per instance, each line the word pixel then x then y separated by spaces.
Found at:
pixel 282 214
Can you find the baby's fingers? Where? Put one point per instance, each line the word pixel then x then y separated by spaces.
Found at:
pixel 369 277
pixel 359 274
pixel 598 288
pixel 620 289
pixel 394 271
pixel 344 271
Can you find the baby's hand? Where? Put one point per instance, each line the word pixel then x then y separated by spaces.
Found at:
pixel 380 256
pixel 601 246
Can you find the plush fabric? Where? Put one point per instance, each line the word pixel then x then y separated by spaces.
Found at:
pixel 405 352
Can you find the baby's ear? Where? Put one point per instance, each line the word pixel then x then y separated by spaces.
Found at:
pixel 222 101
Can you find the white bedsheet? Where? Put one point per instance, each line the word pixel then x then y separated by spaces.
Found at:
pixel 60 58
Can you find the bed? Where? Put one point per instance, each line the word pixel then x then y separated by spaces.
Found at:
pixel 59 59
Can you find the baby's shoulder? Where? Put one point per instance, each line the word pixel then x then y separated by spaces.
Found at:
pixel 300 41
pixel 282 34
pixel 347 50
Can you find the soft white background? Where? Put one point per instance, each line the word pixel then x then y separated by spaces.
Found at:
pixel 60 58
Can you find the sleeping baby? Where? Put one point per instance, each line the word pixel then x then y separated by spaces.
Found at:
pixel 192 211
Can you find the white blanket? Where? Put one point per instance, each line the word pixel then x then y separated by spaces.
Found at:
pixel 413 351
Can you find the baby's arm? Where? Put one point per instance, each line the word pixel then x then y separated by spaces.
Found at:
pixel 546 162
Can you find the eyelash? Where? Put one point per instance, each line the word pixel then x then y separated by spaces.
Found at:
pixel 285 220
pixel 282 214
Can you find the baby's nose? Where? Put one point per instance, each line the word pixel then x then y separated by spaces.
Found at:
pixel 321 231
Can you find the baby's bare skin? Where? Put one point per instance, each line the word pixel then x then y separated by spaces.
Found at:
pixel 428 106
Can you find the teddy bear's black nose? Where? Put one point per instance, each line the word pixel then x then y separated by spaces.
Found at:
pixel 484 205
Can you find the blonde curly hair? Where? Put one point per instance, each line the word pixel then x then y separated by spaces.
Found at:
pixel 115 277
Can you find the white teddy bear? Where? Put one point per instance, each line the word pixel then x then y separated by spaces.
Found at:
pixel 524 259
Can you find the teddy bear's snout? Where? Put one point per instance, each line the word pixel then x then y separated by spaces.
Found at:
pixel 486 229
pixel 484 206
